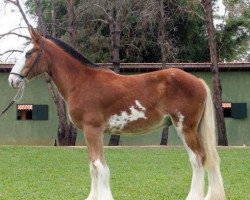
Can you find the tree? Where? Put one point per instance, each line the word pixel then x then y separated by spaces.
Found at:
pixel 234 34
pixel 217 95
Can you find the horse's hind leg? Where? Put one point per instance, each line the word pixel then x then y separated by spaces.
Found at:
pixel 189 135
pixel 99 171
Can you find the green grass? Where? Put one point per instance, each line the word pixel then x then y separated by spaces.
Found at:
pixel 30 173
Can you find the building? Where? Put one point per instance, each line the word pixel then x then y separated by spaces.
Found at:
pixel 34 120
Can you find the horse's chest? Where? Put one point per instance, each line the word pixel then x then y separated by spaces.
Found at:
pixel 136 120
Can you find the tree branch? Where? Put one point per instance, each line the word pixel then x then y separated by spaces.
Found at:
pixel 17 3
pixel 13 33
pixel 103 9
pixel 99 20
pixel 58 26
pixel 194 13
pixel 11 51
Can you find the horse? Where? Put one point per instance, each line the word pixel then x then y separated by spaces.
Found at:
pixel 100 100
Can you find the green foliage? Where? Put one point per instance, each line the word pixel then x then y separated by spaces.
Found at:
pixel 186 31
pixel 34 173
pixel 191 35
pixel 61 14
pixel 234 36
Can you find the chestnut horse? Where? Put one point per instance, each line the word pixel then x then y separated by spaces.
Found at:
pixel 100 100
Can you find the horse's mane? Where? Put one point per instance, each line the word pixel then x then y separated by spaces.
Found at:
pixel 70 50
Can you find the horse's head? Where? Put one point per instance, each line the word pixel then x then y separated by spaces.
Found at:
pixel 32 62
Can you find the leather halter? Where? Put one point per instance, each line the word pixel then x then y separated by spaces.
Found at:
pixel 32 66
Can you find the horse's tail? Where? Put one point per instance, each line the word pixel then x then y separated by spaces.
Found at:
pixel 207 130
pixel 208 139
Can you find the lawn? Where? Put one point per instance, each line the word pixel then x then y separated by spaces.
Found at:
pixel 50 173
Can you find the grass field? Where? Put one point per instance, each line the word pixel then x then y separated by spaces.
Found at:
pixel 30 173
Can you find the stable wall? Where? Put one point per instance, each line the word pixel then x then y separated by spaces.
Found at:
pixel 235 89
pixel 13 131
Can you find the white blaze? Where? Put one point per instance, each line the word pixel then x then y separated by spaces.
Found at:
pixel 21 61
pixel 19 66
pixel 118 122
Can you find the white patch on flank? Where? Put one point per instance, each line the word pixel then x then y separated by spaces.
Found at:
pixel 118 122
pixel 100 187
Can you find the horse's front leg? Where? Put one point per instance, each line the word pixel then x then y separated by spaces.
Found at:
pixel 99 171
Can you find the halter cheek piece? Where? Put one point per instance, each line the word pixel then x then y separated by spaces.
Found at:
pixel 32 66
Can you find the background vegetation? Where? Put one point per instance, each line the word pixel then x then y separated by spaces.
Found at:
pixel 185 30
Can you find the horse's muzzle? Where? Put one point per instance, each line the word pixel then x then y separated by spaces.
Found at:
pixel 15 81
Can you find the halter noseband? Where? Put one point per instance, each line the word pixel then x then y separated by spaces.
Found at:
pixel 32 66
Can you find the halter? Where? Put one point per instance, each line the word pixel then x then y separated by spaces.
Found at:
pixel 32 66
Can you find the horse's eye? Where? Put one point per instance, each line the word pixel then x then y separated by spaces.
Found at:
pixel 28 54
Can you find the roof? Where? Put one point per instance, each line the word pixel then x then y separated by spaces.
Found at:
pixel 146 67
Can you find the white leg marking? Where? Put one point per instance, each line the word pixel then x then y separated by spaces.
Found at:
pixel 100 188
pixel 197 184
pixel 215 189
pixel 94 186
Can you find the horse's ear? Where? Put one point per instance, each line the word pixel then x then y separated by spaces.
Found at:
pixel 35 36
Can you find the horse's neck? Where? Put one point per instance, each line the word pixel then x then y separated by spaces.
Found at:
pixel 67 75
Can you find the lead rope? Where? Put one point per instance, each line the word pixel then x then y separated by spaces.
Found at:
pixel 16 98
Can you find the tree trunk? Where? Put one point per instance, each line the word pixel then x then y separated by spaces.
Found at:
pixel 162 34
pixel 164 135
pixel 41 21
pixel 162 39
pixel 217 96
pixel 71 24
pixel 53 18
pixel 66 135
pixel 115 35
pixel 73 37
pixel 66 131
pixel 114 140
